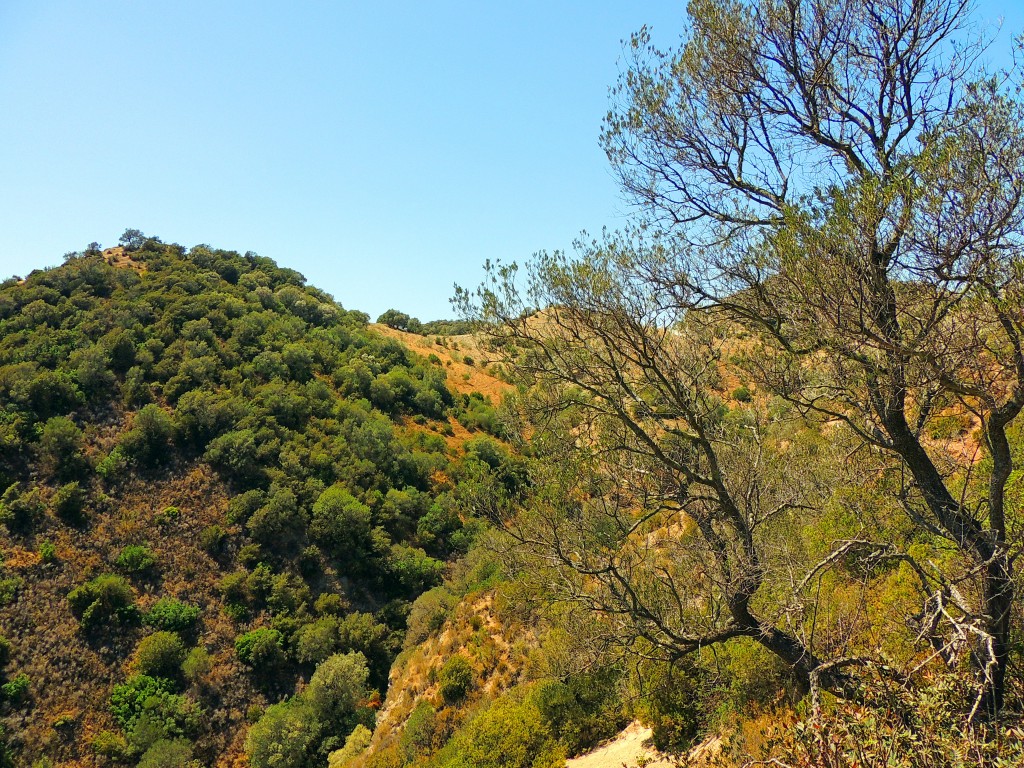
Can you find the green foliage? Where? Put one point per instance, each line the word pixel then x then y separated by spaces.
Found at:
pixel 455 679
pixel 279 522
pixel 113 466
pixel 510 734
pixel 69 503
pixel 671 702
pixel 355 744
pixel 168 753
pixel 172 615
pixel 61 449
pixel 15 690
pixel 418 736
pixel 197 666
pixel 896 728
pixel 111 745
pixel 128 699
pixel 285 736
pixel 135 558
pixel 398 320
pixel 159 655
pixel 340 524
pixel 47 552
pixel 212 539
pixel 5 651
pixel 302 731
pixel 428 614
pixel 9 587
pixel 260 648
pixel 582 710
pixel 148 442
pixel 104 599
pixel 21 508
pixel 317 640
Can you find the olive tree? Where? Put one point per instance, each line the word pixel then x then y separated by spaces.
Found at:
pixel 841 179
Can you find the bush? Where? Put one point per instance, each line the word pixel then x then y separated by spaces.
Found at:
pixel 60 449
pixel 317 640
pixel 69 503
pixel 337 689
pixel 5 651
pixel 355 744
pixel 197 666
pixel 212 538
pixel 420 729
pixel 9 589
pixel 340 524
pixel 455 679
pixel 511 734
pixel 135 558
pixel 171 615
pixel 47 552
pixel 113 466
pixel 16 690
pixel 260 648
pixel 168 753
pixel 159 655
pixel 285 735
pixel 106 598
pixel 148 442
pixel 111 745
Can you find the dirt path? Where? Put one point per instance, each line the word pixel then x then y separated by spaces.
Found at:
pixel 623 751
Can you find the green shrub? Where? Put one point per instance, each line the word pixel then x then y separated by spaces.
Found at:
pixel 69 503
pixel 420 729
pixel 148 442
pixel 355 744
pixel 168 753
pixel 317 640
pixel 455 679
pixel 135 558
pixel 105 598
pixel 9 588
pixel 21 508
pixel 511 734
pixel 260 648
pixel 171 615
pixel 15 690
pixel 47 552
pixel 111 745
pixel 285 735
pixel 212 538
pixel 197 666
pixel 113 466
pixel 60 449
pixel 741 394
pixel 167 516
pixel 159 655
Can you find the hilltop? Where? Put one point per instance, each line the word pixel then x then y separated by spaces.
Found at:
pixel 214 482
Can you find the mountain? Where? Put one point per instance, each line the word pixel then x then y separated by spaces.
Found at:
pixel 220 493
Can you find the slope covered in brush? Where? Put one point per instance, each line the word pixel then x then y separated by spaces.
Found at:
pixel 220 494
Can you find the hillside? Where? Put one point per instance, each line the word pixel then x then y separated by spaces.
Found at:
pixel 221 492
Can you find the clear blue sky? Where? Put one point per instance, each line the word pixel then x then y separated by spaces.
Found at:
pixel 383 149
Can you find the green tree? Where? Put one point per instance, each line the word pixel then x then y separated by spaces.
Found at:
pixel 840 181
pixel 160 655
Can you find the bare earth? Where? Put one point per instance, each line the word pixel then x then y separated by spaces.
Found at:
pixel 623 751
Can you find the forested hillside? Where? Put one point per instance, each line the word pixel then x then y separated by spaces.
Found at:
pixel 221 493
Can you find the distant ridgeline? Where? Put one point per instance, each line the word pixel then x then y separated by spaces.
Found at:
pixel 219 494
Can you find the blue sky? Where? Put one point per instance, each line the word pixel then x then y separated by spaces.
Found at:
pixel 383 149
